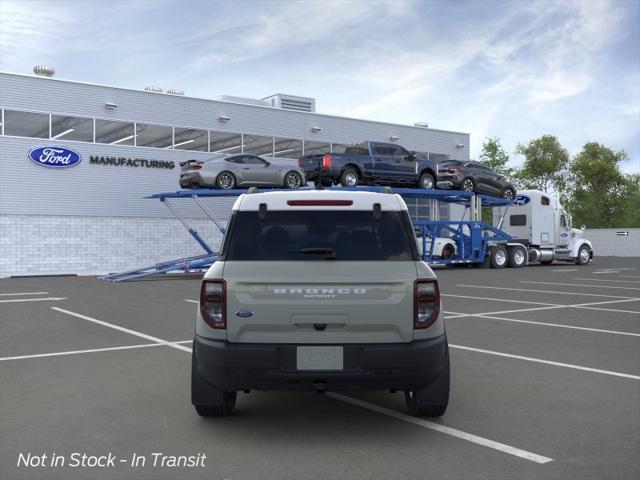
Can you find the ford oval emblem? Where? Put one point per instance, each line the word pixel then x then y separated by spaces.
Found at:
pixel 521 200
pixel 244 313
pixel 55 157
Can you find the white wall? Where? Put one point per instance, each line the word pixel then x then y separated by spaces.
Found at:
pixel 607 242
pixel 43 245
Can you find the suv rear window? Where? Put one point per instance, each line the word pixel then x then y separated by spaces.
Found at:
pixel 304 235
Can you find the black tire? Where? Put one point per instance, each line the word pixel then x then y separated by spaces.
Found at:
pixel 509 194
pixel 517 257
pixel 498 257
pixel 584 255
pixel 468 185
pixel 427 181
pixel 225 180
pixel 431 401
pixel 448 251
pixel 207 399
pixel 224 410
pixel 292 180
pixel 349 178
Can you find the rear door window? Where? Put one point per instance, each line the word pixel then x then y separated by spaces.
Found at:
pixel 306 235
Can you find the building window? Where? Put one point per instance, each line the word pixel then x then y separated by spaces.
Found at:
pixel 316 148
pixel 71 128
pixel 225 143
pixel 115 133
pixel 287 148
pixel 191 139
pixel 157 136
pixel 26 124
pixel 258 145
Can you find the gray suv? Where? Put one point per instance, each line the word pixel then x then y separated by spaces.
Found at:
pixel 320 290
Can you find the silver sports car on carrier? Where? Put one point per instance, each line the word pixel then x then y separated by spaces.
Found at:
pixel 243 170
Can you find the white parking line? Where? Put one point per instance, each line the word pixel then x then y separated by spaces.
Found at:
pixel 580 285
pixel 469 437
pixel 528 290
pixel 545 324
pixel 629 276
pixel 23 293
pixel 566 270
pixel 47 299
pixel 91 350
pixel 497 299
pixel 588 306
pixel 547 362
pixel 605 272
pixel 123 329
pixel 191 301
pixel 606 280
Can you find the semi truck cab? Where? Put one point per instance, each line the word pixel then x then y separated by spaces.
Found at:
pixel 540 223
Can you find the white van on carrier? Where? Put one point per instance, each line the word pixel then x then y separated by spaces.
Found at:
pixel 320 290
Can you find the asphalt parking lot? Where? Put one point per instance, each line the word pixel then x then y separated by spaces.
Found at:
pixel 545 384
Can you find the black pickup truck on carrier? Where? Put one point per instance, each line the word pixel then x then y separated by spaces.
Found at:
pixel 371 163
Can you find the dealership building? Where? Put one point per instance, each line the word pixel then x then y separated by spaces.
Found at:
pixel 91 217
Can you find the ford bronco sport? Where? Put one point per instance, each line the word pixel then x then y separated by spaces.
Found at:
pixel 320 291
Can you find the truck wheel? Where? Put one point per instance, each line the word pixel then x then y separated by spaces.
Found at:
pixel 207 399
pixel 431 401
pixel 426 181
pixel 499 257
pixel 584 255
pixel 517 257
pixel 349 178
pixel 468 185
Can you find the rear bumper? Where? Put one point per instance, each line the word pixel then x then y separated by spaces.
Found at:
pixel 188 180
pixel 399 366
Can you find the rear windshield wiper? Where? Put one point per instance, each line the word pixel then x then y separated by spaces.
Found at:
pixel 330 253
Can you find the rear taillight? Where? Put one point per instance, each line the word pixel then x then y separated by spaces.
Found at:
pixel 299 163
pixel 455 170
pixel 196 167
pixel 213 303
pixel 326 161
pixel 426 303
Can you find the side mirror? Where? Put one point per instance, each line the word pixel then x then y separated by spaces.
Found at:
pixel 583 227
pixel 411 157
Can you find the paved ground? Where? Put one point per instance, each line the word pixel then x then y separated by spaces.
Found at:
pixel 545 365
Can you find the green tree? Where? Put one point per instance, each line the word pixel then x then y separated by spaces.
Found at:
pixel 545 164
pixel 599 193
pixel 630 216
pixel 495 157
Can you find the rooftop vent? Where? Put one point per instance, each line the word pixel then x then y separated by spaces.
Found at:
pixel 175 91
pixel 245 100
pixel 421 124
pixel 292 102
pixel 44 71
pixel 153 88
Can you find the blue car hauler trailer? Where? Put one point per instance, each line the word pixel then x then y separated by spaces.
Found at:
pixel 473 241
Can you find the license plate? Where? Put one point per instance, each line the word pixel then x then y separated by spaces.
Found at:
pixel 320 358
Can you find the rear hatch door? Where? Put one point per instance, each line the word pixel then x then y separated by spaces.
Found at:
pixel 320 302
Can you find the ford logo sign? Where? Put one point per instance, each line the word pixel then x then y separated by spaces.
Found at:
pixel 244 314
pixel 521 200
pixel 55 157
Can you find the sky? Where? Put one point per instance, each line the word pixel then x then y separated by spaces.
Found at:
pixel 509 69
